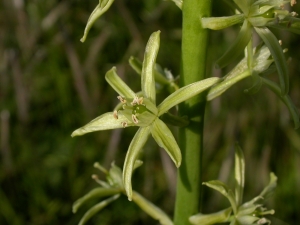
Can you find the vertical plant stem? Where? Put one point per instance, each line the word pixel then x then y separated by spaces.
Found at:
pixel 194 46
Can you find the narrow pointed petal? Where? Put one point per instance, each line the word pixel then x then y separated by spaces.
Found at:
pixel 221 87
pixel 244 5
pixel 185 93
pixel 286 100
pixel 137 66
pixel 95 193
pixel 148 82
pixel 106 121
pixel 218 23
pixel 269 189
pixel 136 145
pixel 100 9
pixel 212 218
pixel 96 208
pixel 224 190
pixel 118 84
pixel 272 43
pixel 237 47
pixel 151 209
pixel 239 174
pixel 165 139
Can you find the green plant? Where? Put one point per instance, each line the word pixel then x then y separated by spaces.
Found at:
pixel 139 109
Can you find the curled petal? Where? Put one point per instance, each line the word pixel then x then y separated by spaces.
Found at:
pixel 136 145
pixel 212 218
pixel 148 82
pixel 100 9
pixel 106 121
pixel 185 93
pixel 224 190
pixel 96 208
pixel 272 43
pixel 237 47
pixel 218 23
pixel 165 139
pixel 118 84
pixel 152 210
pixel 95 193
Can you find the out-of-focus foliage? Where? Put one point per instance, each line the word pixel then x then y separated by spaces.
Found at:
pixel 51 83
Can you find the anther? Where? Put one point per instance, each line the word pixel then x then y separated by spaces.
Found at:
pixel 115 114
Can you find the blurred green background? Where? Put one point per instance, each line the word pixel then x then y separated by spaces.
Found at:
pixel 51 84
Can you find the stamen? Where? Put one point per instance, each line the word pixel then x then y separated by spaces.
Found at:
pixel 124 124
pixel 140 100
pixel 134 119
pixel 280 42
pixel 115 114
pixel 121 99
pixel 293 2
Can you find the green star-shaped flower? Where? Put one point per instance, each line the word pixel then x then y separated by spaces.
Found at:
pixel 141 110
pixel 258 15
pixel 251 212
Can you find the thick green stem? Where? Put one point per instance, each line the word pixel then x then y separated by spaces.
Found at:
pixel 194 45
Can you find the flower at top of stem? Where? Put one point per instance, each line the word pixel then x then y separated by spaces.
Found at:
pixel 258 16
pixel 141 110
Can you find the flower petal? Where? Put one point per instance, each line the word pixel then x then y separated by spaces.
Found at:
pixel 221 87
pixel 272 43
pixel 95 193
pixel 148 82
pixel 96 208
pixel 118 84
pixel 286 100
pixel 239 174
pixel 185 93
pixel 224 190
pixel 165 139
pixel 100 9
pixel 151 209
pixel 106 121
pixel 237 47
pixel 218 23
pixel 136 145
pixel 212 218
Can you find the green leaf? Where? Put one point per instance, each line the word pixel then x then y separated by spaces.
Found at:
pixel 237 47
pixel 95 193
pixel 218 23
pixel 106 121
pixel 118 84
pixel 185 93
pixel 286 100
pixel 224 190
pixel 152 210
pixel 229 81
pixel 136 145
pixel 212 218
pixel 100 9
pixel 148 82
pixel 165 139
pixel 96 208
pixel 239 174
pixel 272 43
